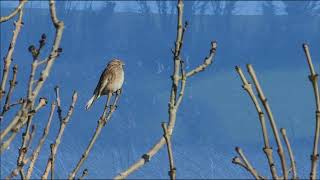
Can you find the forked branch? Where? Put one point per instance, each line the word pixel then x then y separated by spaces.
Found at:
pixel 175 98
pixel 106 115
pixel 14 12
pixel 55 145
pixel 267 148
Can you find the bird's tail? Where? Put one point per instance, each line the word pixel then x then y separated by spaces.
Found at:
pixel 90 102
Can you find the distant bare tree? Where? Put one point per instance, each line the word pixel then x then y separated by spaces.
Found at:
pixel 242 160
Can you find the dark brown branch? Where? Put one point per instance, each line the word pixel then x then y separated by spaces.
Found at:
pixel 14 12
pixel 55 145
pixel 106 115
pixel 313 77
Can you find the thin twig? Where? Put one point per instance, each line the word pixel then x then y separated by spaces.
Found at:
pixel 252 170
pixel 37 150
pixel 293 163
pixel 106 115
pixel 13 83
pixel 8 59
pixel 14 12
pixel 21 117
pixel 175 99
pixel 207 61
pixel 172 172
pixel 23 161
pixel 313 77
pixel 267 148
pixel 55 145
pixel 274 128
pixel 236 160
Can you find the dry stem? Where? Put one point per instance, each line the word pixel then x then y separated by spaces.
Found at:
pixel 293 163
pixel 101 123
pixel 21 117
pixel 8 59
pixel 267 148
pixel 313 77
pixel 37 150
pixel 14 12
pixel 266 106
pixel 246 164
pixel 13 83
pixel 55 145
pixel 175 99
pixel 166 135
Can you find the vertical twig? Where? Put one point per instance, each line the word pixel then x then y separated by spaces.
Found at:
pixel 293 163
pixel 21 159
pixel 26 136
pixel 54 146
pixel 166 135
pixel 101 123
pixel 265 104
pixel 13 83
pixel 21 117
pixel 267 148
pixel 175 98
pixel 8 59
pixel 37 150
pixel 313 77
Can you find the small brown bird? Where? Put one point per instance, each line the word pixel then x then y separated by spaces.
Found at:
pixel 111 80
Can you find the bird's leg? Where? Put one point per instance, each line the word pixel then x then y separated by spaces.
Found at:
pixel 107 104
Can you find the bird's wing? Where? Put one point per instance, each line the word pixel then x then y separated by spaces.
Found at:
pixel 102 82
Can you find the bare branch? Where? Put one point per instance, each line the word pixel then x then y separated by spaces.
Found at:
pixel 55 145
pixel 21 117
pixel 13 13
pixel 21 159
pixel 247 163
pixel 263 99
pixel 313 77
pixel 236 160
pixel 174 100
pixel 37 150
pixel 101 123
pixel 293 163
pixel 267 148
pixel 207 61
pixel 12 84
pixel 167 136
pixel 8 59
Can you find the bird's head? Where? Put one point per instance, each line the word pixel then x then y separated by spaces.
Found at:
pixel 116 62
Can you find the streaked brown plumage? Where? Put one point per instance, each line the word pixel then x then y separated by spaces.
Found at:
pixel 110 81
